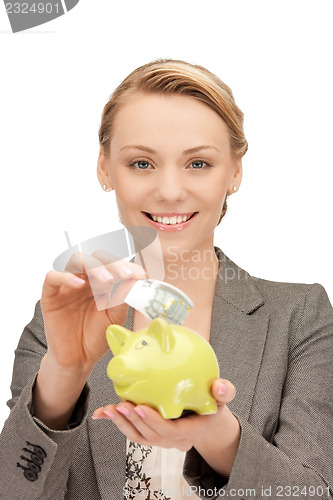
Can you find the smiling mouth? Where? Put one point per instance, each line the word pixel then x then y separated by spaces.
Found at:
pixel 174 219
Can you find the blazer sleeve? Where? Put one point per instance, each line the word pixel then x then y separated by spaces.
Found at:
pixel 299 460
pixel 35 460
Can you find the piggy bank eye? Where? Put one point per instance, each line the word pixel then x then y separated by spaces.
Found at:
pixel 141 344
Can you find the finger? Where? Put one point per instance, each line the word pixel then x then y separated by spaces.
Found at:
pixel 105 257
pixel 100 280
pixel 223 391
pixel 120 267
pixel 95 269
pixel 176 433
pixel 80 263
pixel 124 270
pixel 83 263
pixel 104 412
pixel 104 272
pixel 119 416
pixel 127 275
pixel 100 259
pixel 159 425
pixel 120 291
pixel 134 425
pixel 56 279
pixel 110 411
pixel 137 417
pixel 108 294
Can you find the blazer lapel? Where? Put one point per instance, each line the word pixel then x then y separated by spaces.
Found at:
pixel 238 331
pixel 107 443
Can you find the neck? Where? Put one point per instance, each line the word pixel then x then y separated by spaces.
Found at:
pixel 192 271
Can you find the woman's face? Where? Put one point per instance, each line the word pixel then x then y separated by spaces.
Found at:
pixel 170 158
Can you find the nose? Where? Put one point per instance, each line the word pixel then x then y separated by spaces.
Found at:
pixel 170 184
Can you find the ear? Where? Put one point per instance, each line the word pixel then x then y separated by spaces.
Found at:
pixel 160 330
pixel 103 172
pixel 236 176
pixel 116 336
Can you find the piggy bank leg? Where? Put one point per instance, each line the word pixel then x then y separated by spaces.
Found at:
pixel 171 411
pixel 208 407
pixel 205 405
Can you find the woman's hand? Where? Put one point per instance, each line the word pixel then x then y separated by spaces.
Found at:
pixel 215 437
pixel 77 308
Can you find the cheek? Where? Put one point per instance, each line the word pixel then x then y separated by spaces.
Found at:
pixel 217 191
pixel 128 198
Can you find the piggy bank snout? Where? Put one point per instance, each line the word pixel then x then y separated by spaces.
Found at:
pixel 116 368
pixel 121 374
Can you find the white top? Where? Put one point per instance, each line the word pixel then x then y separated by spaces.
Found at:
pixel 154 472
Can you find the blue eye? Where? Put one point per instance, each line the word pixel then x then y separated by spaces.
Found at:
pixel 199 164
pixel 142 165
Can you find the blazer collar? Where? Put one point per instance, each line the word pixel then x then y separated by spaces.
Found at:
pixel 235 286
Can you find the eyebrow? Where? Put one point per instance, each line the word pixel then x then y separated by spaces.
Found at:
pixel 152 151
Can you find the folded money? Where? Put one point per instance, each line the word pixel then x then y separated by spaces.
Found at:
pixel 157 299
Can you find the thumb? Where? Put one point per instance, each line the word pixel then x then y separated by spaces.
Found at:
pixel 223 391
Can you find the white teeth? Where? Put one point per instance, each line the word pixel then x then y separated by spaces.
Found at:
pixel 171 220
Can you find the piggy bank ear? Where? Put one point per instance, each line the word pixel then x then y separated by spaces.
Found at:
pixel 116 336
pixel 160 330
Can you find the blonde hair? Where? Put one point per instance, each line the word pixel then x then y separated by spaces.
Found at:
pixel 169 76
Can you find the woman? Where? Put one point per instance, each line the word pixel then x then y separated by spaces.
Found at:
pixel 171 144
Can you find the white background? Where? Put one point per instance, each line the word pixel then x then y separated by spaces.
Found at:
pixel 55 80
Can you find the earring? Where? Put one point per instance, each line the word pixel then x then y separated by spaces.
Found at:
pixel 104 186
pixel 234 188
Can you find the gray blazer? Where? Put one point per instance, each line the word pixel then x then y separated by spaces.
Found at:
pixel 273 341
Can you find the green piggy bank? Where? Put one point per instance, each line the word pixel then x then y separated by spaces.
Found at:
pixel 168 367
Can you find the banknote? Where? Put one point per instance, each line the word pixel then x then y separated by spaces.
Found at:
pixel 157 299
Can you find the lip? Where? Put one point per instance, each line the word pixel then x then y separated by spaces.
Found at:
pixel 170 228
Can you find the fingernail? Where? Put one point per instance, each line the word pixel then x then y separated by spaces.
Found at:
pixel 122 410
pixel 126 270
pixel 95 417
pixel 222 389
pixel 105 274
pixel 139 412
pixel 108 414
pixel 78 281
